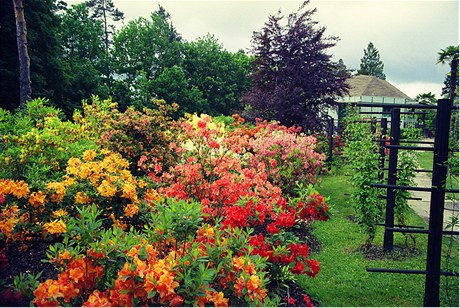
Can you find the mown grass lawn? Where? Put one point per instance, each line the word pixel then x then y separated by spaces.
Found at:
pixel 343 279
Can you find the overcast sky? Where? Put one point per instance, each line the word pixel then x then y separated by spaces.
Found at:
pixel 408 34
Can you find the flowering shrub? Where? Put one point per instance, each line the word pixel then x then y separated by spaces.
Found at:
pixel 289 155
pixel 103 179
pixel 214 267
pixel 210 224
pixel 133 134
pixel 36 143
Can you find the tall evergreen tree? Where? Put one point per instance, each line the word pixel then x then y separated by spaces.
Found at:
pixel 294 79
pixel 371 64
pixel 105 10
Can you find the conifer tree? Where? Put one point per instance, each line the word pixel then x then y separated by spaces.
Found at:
pixel 371 64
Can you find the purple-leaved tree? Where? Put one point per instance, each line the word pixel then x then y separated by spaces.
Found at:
pixel 294 79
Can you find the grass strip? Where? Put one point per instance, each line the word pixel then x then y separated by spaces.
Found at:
pixel 343 280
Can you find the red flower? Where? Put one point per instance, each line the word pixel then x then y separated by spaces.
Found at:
pixel 313 266
pixel 291 301
pixel 307 301
pixel 272 228
pixel 298 268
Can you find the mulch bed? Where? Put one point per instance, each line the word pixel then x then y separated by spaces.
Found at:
pixel 399 253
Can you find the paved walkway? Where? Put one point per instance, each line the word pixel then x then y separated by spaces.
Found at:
pixel 422 207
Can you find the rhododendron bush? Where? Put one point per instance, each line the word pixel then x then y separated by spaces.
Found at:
pixel 162 212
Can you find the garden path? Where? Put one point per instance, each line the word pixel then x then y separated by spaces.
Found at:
pixel 422 207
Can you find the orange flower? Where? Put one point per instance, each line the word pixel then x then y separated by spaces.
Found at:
pixel 218 299
pixel 55 227
pixel 37 199
pixel 176 301
pixel 238 263
pixel 131 210
pixel 129 191
pixel 46 294
pixel 253 283
pixel 106 189
pixel 60 213
pixel 59 191
pixel 19 189
pixel 89 155
pixel 152 195
pixel 77 274
pixel 97 299
pixel 81 198
pixel 166 285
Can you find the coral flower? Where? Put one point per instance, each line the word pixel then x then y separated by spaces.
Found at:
pixel 97 299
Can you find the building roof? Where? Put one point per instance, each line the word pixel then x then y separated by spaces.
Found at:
pixel 363 85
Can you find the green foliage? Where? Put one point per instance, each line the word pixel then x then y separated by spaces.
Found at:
pixel 26 283
pixel 176 219
pixel 405 175
pixel 363 157
pixel 222 77
pixel 36 143
pixel 83 60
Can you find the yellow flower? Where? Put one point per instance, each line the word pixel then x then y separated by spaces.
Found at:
pixel 106 190
pixel 89 155
pixel 131 210
pixel 129 191
pixel 81 198
pixel 152 195
pixel 118 223
pixel 59 189
pixel 37 199
pixel 60 213
pixel 73 166
pixel 55 227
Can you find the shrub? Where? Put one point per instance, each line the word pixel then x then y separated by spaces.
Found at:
pixel 35 143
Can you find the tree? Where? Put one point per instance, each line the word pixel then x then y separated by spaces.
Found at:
pixel 105 10
pixel 25 91
pixel 429 118
pixel 294 80
pixel 450 56
pixel 222 76
pixel 81 40
pixel 371 64
pixel 148 45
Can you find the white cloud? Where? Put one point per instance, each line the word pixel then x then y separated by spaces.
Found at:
pixel 412 89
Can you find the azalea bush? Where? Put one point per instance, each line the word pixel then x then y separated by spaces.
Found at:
pixel 36 143
pixel 219 219
pixel 97 178
pixel 288 153
pixel 132 133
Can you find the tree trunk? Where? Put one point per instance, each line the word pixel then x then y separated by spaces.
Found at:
pixel 25 91
pixel 453 77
